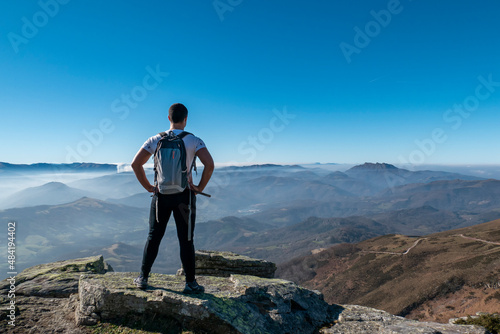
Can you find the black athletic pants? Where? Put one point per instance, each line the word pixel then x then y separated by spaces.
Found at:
pixel 161 208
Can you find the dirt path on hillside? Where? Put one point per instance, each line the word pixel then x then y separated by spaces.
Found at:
pixel 417 242
pixel 475 239
pixel 395 253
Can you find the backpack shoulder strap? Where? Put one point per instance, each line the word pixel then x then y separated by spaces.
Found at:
pixel 162 135
pixel 183 134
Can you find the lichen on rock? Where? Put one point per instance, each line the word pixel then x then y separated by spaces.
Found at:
pixel 356 319
pixel 225 264
pixel 237 304
pixel 56 279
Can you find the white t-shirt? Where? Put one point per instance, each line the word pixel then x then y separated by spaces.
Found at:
pixel 191 142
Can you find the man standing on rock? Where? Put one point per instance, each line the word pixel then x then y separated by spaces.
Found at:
pixel 167 198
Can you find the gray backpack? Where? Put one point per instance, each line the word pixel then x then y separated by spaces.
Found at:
pixel 170 163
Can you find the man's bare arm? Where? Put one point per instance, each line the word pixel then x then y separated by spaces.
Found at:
pixel 140 159
pixel 208 163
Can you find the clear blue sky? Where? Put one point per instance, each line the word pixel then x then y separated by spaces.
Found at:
pixel 84 67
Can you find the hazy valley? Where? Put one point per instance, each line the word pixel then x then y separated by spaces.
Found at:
pixel 291 215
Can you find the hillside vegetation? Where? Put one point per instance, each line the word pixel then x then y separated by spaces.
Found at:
pixel 436 277
pixel 272 212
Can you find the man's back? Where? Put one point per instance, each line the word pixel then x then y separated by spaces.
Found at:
pixel 191 143
pixel 181 204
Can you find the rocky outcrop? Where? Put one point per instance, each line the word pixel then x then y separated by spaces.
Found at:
pixel 235 304
pixel 365 320
pixel 242 304
pixel 225 264
pixel 56 279
pixel 45 297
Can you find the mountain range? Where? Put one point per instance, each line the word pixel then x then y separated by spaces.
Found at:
pixel 49 232
pixel 267 211
pixel 48 194
pixel 83 166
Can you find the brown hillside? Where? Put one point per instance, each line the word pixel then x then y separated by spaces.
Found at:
pixel 443 275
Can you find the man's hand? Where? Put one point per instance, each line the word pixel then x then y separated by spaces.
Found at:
pixel 196 189
pixel 152 189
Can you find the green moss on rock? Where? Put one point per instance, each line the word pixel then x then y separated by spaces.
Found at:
pixel 56 279
pixel 238 304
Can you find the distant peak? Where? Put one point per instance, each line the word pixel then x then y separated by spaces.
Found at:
pixel 54 185
pixel 374 166
pixel 87 201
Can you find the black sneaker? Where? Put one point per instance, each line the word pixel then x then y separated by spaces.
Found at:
pixel 141 282
pixel 193 287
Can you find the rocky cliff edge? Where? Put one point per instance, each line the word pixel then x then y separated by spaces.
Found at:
pixel 79 296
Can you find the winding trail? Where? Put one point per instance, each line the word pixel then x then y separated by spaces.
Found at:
pixel 475 239
pixel 395 253
pixel 417 242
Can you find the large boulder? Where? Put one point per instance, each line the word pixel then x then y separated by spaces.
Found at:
pixel 240 304
pixel 56 279
pixel 225 264
pixel 43 302
pixel 235 304
pixel 356 319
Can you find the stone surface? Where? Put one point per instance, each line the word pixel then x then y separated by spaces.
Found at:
pixel 38 315
pixel 57 279
pixel 355 319
pixel 224 264
pixel 235 304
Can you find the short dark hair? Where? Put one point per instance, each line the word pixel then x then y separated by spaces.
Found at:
pixel 177 112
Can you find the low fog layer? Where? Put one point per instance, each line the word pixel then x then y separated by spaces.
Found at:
pixel 269 211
